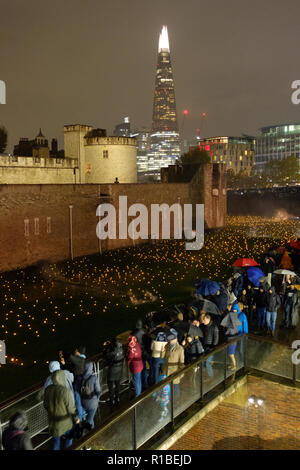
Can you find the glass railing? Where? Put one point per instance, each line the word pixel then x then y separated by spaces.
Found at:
pixel 272 357
pixel 162 403
pixel 31 402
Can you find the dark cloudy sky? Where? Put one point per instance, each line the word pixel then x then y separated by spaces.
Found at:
pixel 93 62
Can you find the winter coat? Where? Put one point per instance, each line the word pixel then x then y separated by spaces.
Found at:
pixel 273 301
pixel 193 350
pixel 261 299
pixel 231 324
pixel 267 266
pixel 182 328
pixel 77 365
pixel 91 385
pixel 115 358
pixel 210 335
pixel 295 309
pixel 15 436
pixel 243 327
pixel 220 300
pixel 134 359
pixel 195 331
pixel 294 299
pixel 237 285
pixel 157 348
pixel 174 360
pixel 250 297
pixel 69 378
pixel 59 404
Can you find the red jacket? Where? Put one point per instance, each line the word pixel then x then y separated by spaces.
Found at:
pixel 134 359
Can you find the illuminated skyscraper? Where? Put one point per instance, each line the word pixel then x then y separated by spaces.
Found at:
pixel 164 141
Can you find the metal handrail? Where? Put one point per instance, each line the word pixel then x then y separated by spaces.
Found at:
pixel 132 405
pixel 116 416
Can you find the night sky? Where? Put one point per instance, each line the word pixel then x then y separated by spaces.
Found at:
pixel 93 62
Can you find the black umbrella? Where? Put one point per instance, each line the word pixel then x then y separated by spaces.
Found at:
pixel 209 307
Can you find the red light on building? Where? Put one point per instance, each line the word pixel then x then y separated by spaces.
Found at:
pixel 185 112
pixel 203 114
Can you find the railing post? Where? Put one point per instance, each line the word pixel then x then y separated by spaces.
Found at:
pixel 225 367
pixel 245 352
pixel 201 380
pixel 172 405
pixel 134 444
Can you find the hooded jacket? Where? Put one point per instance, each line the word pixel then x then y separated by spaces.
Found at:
pixel 69 377
pixel 134 357
pixel 243 327
pixel 15 436
pixel 59 404
pixel 273 301
pixel 91 383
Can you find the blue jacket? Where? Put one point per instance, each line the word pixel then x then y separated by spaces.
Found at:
pixel 243 327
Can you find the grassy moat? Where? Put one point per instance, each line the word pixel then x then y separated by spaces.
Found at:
pixel 89 300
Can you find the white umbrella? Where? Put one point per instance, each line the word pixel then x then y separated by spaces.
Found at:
pixel 285 271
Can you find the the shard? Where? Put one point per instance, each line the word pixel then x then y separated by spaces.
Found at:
pixel 164 141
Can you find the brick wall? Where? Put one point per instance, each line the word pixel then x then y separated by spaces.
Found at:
pixel 233 425
pixel 35 219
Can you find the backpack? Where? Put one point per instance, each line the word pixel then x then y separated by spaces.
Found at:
pixel 85 391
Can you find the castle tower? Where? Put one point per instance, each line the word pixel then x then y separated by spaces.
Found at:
pixel 165 142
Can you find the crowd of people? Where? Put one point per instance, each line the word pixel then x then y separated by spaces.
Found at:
pixel 214 314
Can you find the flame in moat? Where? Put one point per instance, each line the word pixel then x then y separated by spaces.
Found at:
pixel 281 214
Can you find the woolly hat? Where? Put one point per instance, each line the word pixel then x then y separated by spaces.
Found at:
pixel 173 334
